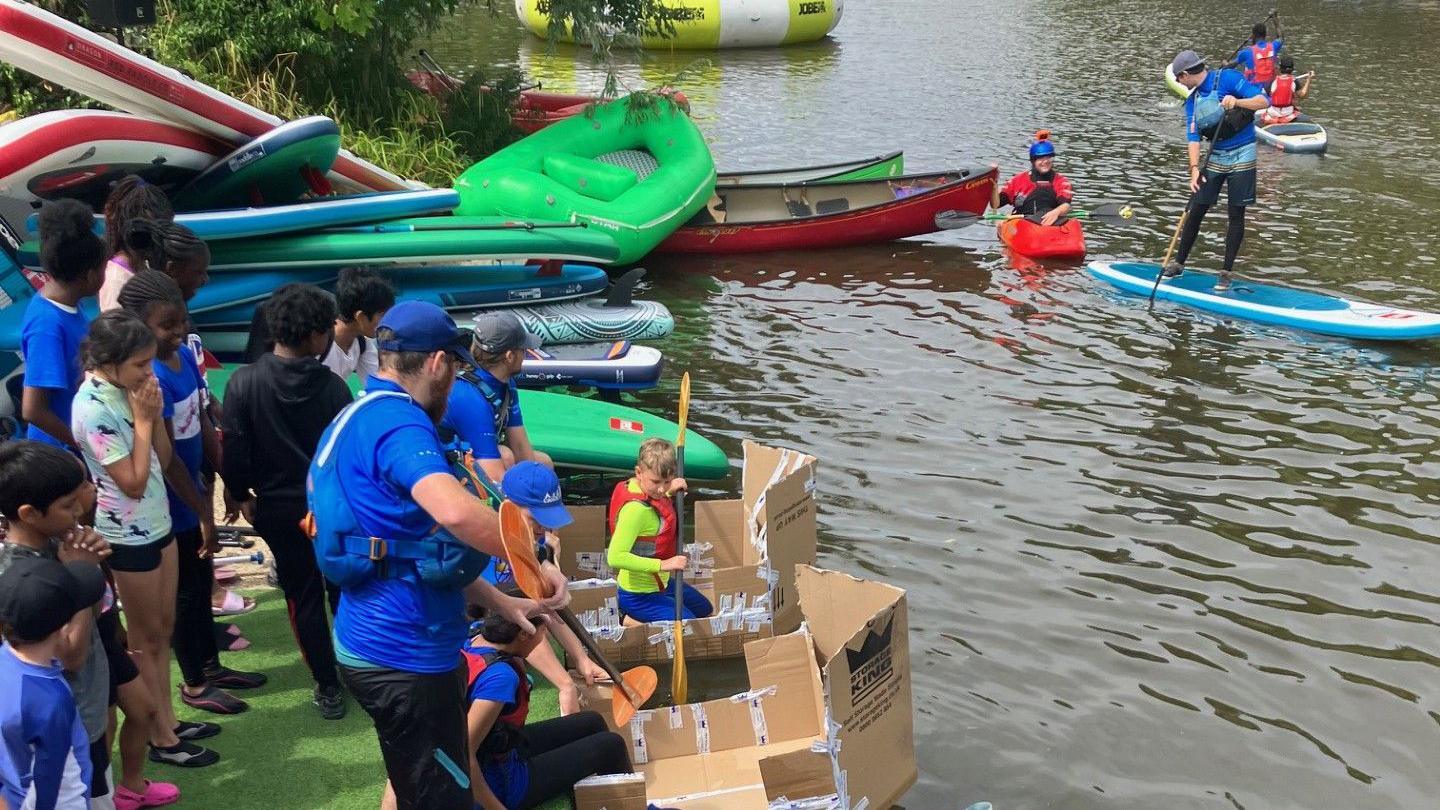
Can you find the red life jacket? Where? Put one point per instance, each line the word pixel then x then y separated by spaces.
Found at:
pixel 659 546
pixel 502 735
pixel 1263 57
pixel 1284 93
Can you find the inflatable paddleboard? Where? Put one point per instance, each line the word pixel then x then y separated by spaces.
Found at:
pixel 1301 136
pixel 329 212
pixel 1275 305
pixel 81 153
pixel 588 434
pixel 619 365
pixel 593 320
pixel 66 54
pixel 278 167
pixel 486 238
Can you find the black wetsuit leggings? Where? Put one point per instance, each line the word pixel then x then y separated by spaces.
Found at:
pixel 1234 233
pixel 567 749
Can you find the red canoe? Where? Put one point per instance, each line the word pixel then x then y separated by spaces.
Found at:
pixel 1035 241
pixel 798 216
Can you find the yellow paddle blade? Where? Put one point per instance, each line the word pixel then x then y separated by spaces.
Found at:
pixel 519 542
pixel 640 683
pixel 1127 213
pixel 684 408
pixel 679 678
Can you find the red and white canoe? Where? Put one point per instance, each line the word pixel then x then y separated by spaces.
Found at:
pixel 80 153
pixel 800 216
pixel 66 54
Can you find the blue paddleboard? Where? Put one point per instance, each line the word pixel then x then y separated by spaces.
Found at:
pixel 326 212
pixel 1275 305
pixel 268 170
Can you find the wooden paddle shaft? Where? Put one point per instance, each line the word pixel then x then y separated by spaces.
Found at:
pixel 593 649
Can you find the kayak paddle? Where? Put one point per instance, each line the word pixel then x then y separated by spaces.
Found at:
pixel 632 687
pixel 679 678
pixel 1110 212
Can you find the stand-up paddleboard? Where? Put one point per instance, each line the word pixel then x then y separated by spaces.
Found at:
pixel 488 238
pixel 1301 136
pixel 66 54
pixel 278 167
pixel 222 310
pixel 329 212
pixel 620 365
pixel 81 153
pixel 1275 305
pixel 581 433
pixel 602 319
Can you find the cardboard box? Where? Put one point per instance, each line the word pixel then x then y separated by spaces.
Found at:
pixel 826 723
pixel 742 553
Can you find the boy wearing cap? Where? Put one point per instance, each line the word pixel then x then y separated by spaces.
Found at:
pixel 1220 108
pixel 536 490
pixel 484 406
pixel 45 752
pixel 397 638
pixel 275 410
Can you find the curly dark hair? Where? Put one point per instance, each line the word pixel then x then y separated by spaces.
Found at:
pixel 130 199
pixel 69 248
pixel 361 289
pixel 161 242
pixel 114 337
pixel 297 311
pixel 35 474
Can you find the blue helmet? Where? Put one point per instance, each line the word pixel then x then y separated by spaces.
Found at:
pixel 1042 147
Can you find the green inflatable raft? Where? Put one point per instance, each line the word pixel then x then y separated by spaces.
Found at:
pixel 587 434
pixel 636 180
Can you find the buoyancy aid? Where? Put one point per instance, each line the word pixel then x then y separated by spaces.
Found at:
pixel 661 546
pixel 504 735
pixel 1263 59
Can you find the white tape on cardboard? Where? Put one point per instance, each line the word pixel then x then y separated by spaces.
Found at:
pixel 676 720
pixel 826 802
pixel 702 728
pixel 640 753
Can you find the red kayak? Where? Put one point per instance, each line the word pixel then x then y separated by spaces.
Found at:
pixel 829 214
pixel 1035 241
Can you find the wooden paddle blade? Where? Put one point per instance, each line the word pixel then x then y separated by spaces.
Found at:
pixel 950 220
pixel 684 408
pixel 519 542
pixel 679 678
pixel 639 684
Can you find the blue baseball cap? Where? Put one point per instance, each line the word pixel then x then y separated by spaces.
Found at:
pixel 535 487
pixel 420 326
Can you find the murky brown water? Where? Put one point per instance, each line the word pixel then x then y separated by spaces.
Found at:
pixel 1153 560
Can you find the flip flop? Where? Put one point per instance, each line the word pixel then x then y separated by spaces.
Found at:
pixel 234 605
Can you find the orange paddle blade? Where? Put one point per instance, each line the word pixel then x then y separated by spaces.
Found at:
pixel 519 542
pixel 684 408
pixel 640 683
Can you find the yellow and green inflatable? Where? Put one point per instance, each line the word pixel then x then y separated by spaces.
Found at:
pixel 703 24
pixel 636 180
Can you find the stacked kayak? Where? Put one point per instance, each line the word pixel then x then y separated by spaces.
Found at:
pixel 616 366
pixel 635 180
pixel 1035 241
pixel 1273 304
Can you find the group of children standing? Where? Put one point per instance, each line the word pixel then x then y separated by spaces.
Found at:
pixel 109 501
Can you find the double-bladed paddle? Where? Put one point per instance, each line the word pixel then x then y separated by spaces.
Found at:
pixel 1109 212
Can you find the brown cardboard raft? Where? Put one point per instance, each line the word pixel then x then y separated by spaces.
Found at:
pixel 742 556
pixel 826 723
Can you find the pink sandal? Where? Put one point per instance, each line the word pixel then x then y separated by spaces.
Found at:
pixel 234 605
pixel 157 794
pixel 226 574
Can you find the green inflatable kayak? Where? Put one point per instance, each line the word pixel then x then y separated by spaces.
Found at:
pixel 587 434
pixel 636 180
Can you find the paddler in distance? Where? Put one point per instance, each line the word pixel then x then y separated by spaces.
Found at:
pixel 1041 190
pixel 1258 58
pixel 1220 108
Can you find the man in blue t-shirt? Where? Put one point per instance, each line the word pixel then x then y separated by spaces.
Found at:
pixel 484 407
pixel 398 640
pixel 1221 109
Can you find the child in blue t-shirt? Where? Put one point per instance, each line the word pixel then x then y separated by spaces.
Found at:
pixel 53 328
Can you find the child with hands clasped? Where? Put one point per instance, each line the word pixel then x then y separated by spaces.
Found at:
pixel 644 544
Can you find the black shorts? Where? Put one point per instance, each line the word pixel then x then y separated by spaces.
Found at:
pixel 122 667
pixel 1240 185
pixel 420 720
pixel 140 558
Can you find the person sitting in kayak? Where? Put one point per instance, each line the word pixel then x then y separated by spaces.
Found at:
pixel 1283 92
pixel 1220 108
pixel 1257 59
pixel 484 407
pixel 644 543
pixel 1041 190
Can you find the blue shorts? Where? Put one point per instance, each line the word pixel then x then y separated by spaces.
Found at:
pixel 660 606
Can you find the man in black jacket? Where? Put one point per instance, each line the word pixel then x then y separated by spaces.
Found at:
pixel 275 410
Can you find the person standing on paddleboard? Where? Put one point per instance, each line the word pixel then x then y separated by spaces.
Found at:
pixel 1041 190
pixel 1220 108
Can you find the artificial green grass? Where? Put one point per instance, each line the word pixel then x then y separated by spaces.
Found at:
pixel 281 753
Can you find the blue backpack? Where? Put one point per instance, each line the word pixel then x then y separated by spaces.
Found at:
pixel 348 556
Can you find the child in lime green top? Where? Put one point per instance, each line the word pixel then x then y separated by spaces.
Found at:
pixel 644 543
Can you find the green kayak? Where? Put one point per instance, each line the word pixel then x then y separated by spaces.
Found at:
pixel 637 180
pixel 588 434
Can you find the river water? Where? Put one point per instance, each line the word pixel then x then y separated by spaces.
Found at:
pixel 1153 559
